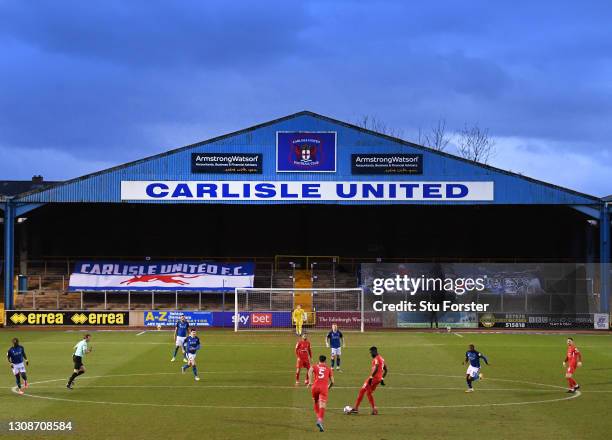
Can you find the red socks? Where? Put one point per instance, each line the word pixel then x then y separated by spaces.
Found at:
pixel 371 399
pixel 320 412
pixel 571 382
pixel 297 376
pixel 359 398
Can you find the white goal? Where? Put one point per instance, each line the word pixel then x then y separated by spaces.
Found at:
pixel 271 309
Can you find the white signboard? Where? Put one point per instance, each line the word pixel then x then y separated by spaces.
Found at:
pixel 307 191
pixel 601 321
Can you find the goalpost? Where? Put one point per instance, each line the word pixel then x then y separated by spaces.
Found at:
pixel 267 309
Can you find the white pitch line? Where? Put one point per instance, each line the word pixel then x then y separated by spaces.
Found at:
pixel 487 379
pixel 395 373
pixel 141 333
pixel 457 334
pixel 289 344
pixel 288 387
pixel 231 345
pixel 599 391
pixel 292 408
pixel 572 396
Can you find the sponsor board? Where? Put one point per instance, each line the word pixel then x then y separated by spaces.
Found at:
pixel 253 190
pixel 398 163
pixel 261 319
pixel 227 163
pixel 535 320
pixel 306 152
pixel 348 319
pixel 445 319
pixel 171 275
pixel 601 321
pixel 252 319
pixel 168 318
pixel 72 318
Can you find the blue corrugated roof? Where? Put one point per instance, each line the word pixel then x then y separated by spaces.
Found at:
pixel 104 186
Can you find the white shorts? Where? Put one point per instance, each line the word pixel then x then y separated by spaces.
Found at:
pixel 336 351
pixel 472 371
pixel 180 340
pixel 191 357
pixel 19 368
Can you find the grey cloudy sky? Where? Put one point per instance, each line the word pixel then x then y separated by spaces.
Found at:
pixel 87 85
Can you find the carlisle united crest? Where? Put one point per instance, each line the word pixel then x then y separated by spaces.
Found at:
pixel 306 151
pixel 306 154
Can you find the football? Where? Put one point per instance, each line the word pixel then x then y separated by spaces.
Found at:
pixel 347 409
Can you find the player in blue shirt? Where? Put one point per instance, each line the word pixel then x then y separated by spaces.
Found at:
pixel 191 346
pixel 472 358
pixel 180 333
pixel 17 359
pixel 336 341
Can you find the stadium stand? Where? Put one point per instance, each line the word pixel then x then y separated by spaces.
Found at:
pixel 47 284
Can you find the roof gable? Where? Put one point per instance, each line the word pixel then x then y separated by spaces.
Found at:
pixel 103 186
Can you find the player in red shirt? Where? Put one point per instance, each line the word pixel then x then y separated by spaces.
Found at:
pixel 377 375
pixel 303 352
pixel 322 379
pixel 573 360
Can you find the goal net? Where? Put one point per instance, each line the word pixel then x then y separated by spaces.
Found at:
pixel 269 309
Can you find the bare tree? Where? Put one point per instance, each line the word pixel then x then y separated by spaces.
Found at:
pixel 475 144
pixel 375 124
pixel 436 138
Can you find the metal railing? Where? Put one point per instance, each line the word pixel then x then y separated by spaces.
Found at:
pixel 155 300
pixel 130 300
pixel 221 301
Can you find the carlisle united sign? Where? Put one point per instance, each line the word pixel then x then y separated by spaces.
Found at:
pixel 251 190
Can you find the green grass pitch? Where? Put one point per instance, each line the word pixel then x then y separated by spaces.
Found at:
pixel 132 390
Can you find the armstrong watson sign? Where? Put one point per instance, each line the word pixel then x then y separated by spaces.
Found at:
pixel 306 190
pixel 400 163
pixel 227 163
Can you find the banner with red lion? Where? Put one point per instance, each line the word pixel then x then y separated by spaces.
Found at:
pixel 168 275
